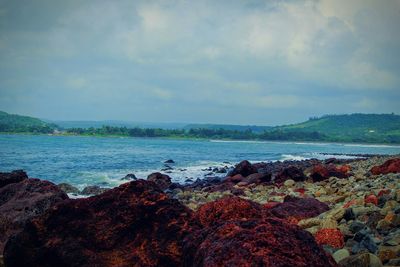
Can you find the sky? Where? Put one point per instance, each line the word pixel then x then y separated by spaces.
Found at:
pixel 231 62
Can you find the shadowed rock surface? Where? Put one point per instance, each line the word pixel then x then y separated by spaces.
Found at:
pixel 134 224
pixel 20 202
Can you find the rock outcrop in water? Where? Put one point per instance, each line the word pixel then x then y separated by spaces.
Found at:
pixel 163 181
pixel 134 224
pixel 24 200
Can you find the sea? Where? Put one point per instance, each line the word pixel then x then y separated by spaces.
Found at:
pixel 103 161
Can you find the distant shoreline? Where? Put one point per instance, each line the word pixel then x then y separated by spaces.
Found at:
pixel 206 139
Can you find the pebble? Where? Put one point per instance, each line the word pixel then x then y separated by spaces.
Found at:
pixel 341 254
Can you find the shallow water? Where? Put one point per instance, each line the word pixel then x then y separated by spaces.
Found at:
pixel 85 161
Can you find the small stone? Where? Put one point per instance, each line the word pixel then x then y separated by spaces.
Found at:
pixel 341 254
pixel 386 253
pixel 331 237
pixel 289 183
pixel 383 226
pixel 356 226
pixel 329 223
pixel 371 199
pixel 392 262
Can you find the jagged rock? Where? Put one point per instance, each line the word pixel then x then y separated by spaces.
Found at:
pixel 163 181
pixel 256 242
pixel 135 224
pixel 12 177
pixel 20 202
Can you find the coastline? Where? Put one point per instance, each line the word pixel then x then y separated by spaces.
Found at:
pixel 210 139
pixel 346 209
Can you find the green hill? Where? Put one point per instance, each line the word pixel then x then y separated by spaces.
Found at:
pixel 230 127
pixel 11 123
pixel 383 128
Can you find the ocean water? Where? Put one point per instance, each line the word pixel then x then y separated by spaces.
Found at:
pixel 83 161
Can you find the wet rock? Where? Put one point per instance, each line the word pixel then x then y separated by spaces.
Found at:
pixel 289 183
pixel 20 202
pixel 163 181
pixel 169 161
pixel 12 177
pixel 135 224
pixel 299 208
pixel 129 177
pixel 330 236
pixel 245 168
pixel 228 208
pixel 390 166
pixel 257 242
pixel 93 190
pixel 69 189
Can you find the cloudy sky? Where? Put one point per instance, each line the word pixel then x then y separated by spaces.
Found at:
pixel 243 62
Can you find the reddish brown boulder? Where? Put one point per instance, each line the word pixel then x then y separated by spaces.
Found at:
pixel 255 242
pixel 322 172
pixel 245 168
pixel 234 179
pixel 20 202
pixel 12 177
pixel 298 208
pixel 228 208
pixel 163 181
pixel 135 224
pixel 390 166
pixel 290 172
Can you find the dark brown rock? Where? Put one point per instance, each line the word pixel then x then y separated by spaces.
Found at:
pixel 12 177
pixel 69 189
pixel 93 190
pixel 298 208
pixel 20 202
pixel 245 168
pixel 163 181
pixel 290 172
pixel 322 172
pixel 135 224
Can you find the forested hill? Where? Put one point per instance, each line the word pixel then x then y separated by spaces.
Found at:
pixel 12 123
pixel 351 128
pixel 364 128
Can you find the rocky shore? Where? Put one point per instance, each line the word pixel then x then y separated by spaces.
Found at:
pixel 293 213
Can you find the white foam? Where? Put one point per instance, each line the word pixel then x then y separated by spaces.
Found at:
pixel 292 157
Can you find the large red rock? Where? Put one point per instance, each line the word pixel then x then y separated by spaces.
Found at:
pixel 390 166
pixel 322 172
pixel 22 201
pixel 298 208
pixel 291 172
pixel 255 242
pixel 228 208
pixel 12 177
pixel 245 168
pixel 135 224
pixel 163 181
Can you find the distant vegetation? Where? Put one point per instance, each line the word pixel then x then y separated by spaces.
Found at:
pixel 365 128
pixel 11 123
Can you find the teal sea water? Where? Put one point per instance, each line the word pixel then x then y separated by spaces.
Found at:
pixel 83 161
